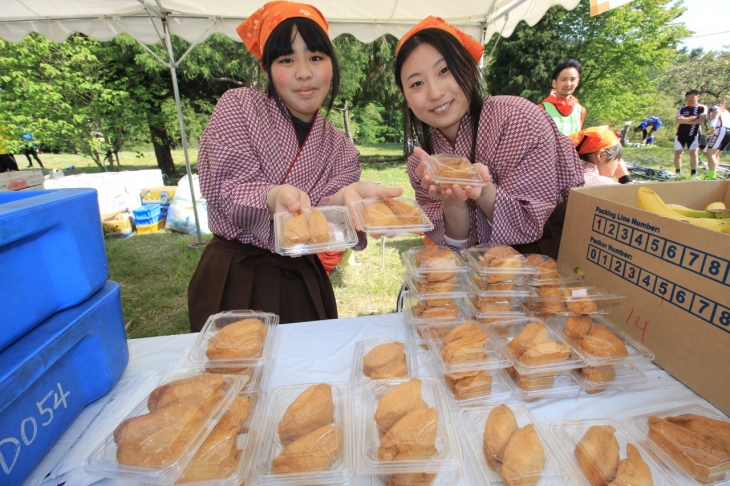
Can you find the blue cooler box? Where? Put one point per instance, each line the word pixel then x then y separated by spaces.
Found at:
pixel 49 375
pixel 52 256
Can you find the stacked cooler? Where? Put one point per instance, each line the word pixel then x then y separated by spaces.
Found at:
pixel 63 343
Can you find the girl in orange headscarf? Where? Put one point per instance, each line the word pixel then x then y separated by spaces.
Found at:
pixel 601 153
pixel 529 166
pixel 264 153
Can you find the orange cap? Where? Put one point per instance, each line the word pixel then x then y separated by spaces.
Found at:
pixel 593 139
pixel 257 28
pixel 474 48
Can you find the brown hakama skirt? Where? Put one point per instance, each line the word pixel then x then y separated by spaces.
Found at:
pixel 235 276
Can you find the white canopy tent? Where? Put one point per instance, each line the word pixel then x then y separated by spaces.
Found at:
pixel 152 21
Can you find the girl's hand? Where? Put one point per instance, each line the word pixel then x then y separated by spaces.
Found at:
pixel 287 198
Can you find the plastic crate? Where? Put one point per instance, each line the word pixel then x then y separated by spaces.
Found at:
pixel 147 214
pixel 143 229
pixel 49 375
pixel 52 255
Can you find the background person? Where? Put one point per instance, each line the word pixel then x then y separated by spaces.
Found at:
pixel 648 127
pixel 561 105
pixel 530 167
pixel 30 149
pixel 264 153
pixel 602 156
pixel 689 119
pixel 719 140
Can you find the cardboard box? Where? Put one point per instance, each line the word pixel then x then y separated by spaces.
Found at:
pixel 22 179
pixel 116 224
pixel 675 276
pixel 162 195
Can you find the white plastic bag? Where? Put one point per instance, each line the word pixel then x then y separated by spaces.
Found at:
pixel 180 215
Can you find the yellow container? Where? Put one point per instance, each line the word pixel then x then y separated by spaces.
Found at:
pixel 143 229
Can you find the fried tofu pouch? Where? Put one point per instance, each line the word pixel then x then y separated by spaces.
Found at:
pixel 311 410
pixel 577 326
pixel 546 266
pixel 312 451
pixel 632 471
pixel 532 334
pixel 544 353
pixel 296 230
pixel 378 214
pixel 406 213
pixel 598 374
pixel 602 343
pixel 384 361
pixel 470 384
pixel 241 339
pixel 412 437
pixel 597 454
pixel 397 403
pixel 464 343
pixel 715 430
pixel 524 458
pixel 191 390
pixel 318 228
pixel 501 424
pixel 411 479
pixel 218 457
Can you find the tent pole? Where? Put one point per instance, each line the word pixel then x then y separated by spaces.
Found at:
pixel 178 104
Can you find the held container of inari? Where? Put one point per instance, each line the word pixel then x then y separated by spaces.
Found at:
pixel 433 263
pixel 498 264
pixel 549 273
pixel 619 377
pixel 599 341
pixel 314 230
pixel 382 359
pixel 233 340
pixel 226 456
pixel 159 438
pixel 406 427
pixel 570 300
pixel 309 436
pixel 691 441
pixel 507 445
pixel 600 451
pixel 391 216
pixel 445 170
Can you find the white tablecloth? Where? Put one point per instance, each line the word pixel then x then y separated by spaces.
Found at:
pixel 323 351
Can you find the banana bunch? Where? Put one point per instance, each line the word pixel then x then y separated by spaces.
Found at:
pixel 649 200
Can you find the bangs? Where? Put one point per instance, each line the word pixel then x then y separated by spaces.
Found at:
pixel 279 42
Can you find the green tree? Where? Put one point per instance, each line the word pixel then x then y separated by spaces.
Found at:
pixel 707 72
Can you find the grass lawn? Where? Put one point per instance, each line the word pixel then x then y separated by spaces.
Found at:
pixel 154 269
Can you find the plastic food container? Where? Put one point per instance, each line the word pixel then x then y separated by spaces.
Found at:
pixel 396 216
pixel 422 289
pixel 570 300
pixel 566 435
pixel 381 367
pixel 417 312
pixel 448 453
pixel 472 392
pixel 445 170
pixel 498 263
pixel 434 263
pixel 592 354
pixel 168 465
pixel 240 452
pixel 550 273
pixel 303 233
pixel 443 478
pixel 688 469
pixel 481 287
pixel 514 315
pixel 270 446
pixel 620 377
pixel 472 421
pixel 236 347
pixel 530 388
pixel 492 357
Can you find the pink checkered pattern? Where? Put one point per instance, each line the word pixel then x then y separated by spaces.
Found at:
pixel 593 178
pixel 531 163
pixel 246 150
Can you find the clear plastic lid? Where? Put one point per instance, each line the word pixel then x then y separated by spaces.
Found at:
pixel 422 289
pixel 534 348
pixel 382 359
pixel 515 314
pixel 549 273
pixel 235 340
pixel 326 228
pixel 391 216
pixel 158 439
pixel 227 453
pixel 567 435
pixel 443 478
pixel 619 377
pixel 433 263
pixel 472 422
pixel 422 440
pixel 530 388
pixel 570 300
pixel 253 377
pixel 445 170
pixel 688 452
pixel 419 312
pixel 599 341
pixel 463 346
pixel 314 453
pixel 480 287
pixel 498 263
pixel 474 387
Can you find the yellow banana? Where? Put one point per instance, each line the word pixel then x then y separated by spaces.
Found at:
pixel 723 215
pixel 650 201
pixel 716 205
pixel 692 213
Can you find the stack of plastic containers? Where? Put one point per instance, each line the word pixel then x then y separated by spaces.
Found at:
pixel 63 343
pixel 148 218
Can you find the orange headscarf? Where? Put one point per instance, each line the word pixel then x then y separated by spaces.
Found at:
pixel 474 48
pixel 593 139
pixel 257 28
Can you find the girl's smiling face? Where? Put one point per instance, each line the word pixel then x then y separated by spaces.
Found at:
pixel 431 91
pixel 302 79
